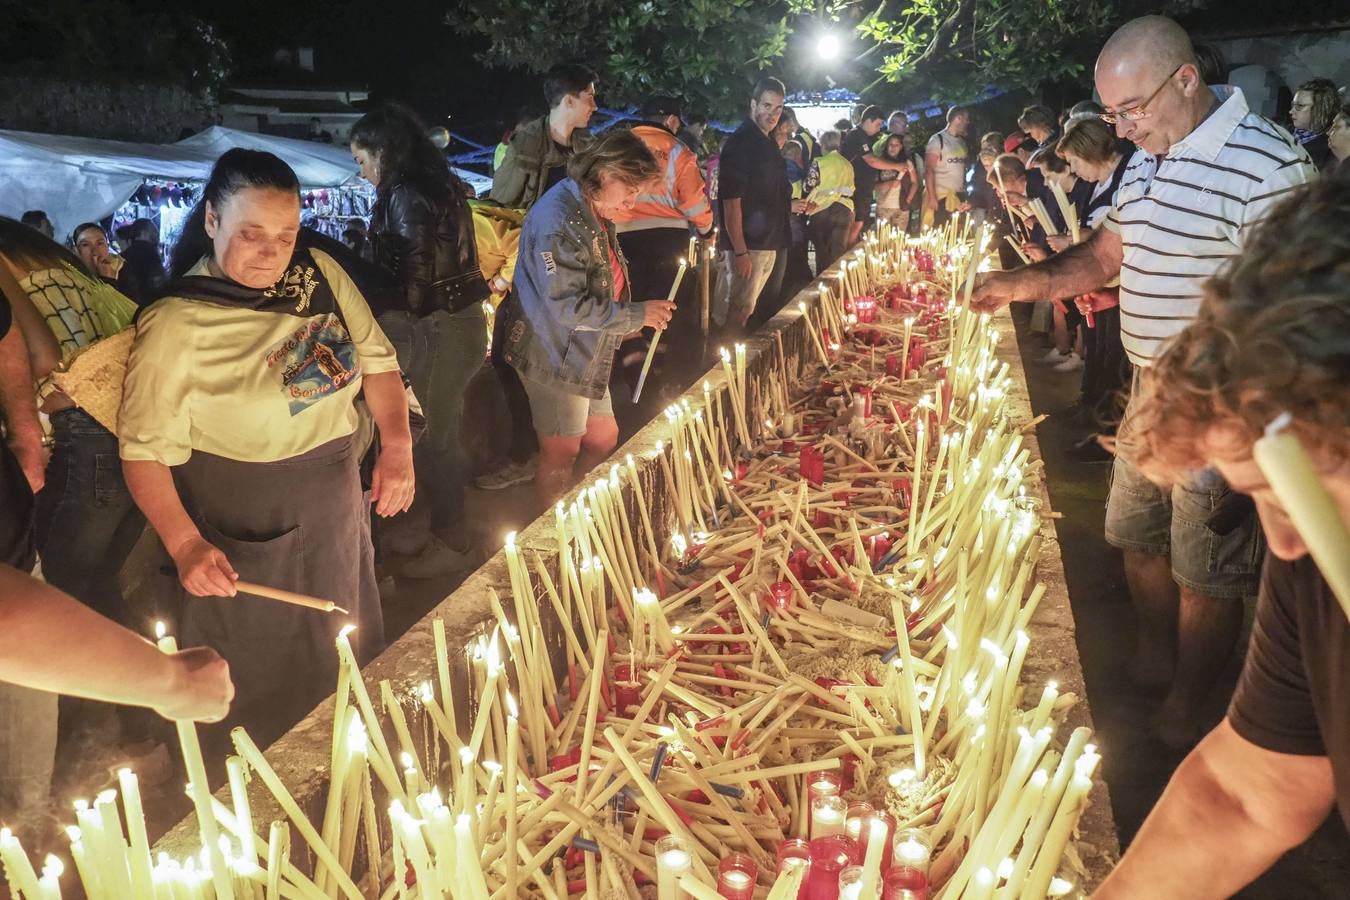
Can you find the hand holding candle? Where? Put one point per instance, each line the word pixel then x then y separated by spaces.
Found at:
pixel 656 338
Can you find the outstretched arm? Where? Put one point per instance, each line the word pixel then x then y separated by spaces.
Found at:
pixel 1229 812
pixel 51 642
pixel 1082 268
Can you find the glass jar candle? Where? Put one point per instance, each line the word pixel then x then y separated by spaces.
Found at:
pixel 829 856
pixel 827 816
pixel 736 876
pixel 673 859
pixel 913 848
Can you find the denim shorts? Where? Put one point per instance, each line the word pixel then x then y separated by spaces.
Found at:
pixel 559 413
pixel 1144 517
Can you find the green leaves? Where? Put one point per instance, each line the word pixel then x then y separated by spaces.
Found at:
pixel 706 51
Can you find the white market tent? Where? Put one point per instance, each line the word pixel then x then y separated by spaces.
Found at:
pixel 76 179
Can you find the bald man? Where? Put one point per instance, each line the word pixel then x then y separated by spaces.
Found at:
pixel 1207 169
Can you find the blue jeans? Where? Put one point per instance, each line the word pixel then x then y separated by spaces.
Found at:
pixel 86 522
pixel 440 353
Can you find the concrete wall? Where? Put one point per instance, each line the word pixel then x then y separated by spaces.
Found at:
pixel 1294 57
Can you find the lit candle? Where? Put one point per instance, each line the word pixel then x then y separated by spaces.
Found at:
pixel 876 846
pixel 195 767
pixel 673 859
pixel 736 877
pixel 827 816
pixel 913 848
pixel 852 884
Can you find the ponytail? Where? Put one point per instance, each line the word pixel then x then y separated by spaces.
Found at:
pixel 236 170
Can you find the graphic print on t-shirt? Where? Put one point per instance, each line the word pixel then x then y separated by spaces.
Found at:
pixel 315 361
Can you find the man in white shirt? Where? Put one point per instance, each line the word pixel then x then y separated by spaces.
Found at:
pixel 945 167
pixel 1207 170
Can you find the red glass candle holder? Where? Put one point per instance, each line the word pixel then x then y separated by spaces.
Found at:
pixel 904 883
pixel 780 595
pixel 822 784
pixel 856 821
pixel 829 856
pixel 795 851
pixel 736 876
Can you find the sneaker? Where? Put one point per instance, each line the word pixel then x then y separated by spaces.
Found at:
pixel 1054 356
pixel 509 475
pixel 1071 363
pixel 434 560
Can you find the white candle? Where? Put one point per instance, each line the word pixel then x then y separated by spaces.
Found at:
pixel 912 848
pixel 870 884
pixel 673 859
pixel 1286 465
pixel 827 816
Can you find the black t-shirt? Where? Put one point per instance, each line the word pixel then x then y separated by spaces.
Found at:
pixel 855 145
pixel 557 173
pixel 752 170
pixel 1294 692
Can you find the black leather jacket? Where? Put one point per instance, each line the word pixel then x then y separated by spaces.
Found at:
pixel 425 237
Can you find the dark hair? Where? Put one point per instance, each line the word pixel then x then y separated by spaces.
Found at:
pixel 27 248
pixel 398 139
pixel 872 112
pixel 1036 117
pixel 236 170
pixel 620 153
pixel 1213 67
pixel 700 118
pixel 1046 156
pixel 955 111
pixel 566 80
pixel 83 227
pixel 34 217
pixel 1326 102
pixel 898 112
pixel 791 115
pixel 768 85
pixel 886 146
pixel 842 125
pixel 143 230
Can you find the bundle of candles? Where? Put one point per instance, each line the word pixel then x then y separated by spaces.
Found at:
pixel 792 670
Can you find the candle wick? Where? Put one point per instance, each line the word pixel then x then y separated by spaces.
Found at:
pixel 1280 423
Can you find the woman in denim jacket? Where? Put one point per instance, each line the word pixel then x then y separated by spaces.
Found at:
pixel 574 306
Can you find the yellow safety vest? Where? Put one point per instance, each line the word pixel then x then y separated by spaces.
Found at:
pixel 836 182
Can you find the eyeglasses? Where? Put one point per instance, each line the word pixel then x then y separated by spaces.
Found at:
pixel 1139 110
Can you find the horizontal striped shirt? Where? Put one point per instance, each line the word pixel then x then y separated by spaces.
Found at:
pixel 1182 217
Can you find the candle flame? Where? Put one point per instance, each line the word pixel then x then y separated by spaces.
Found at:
pixel 357 739
pixel 160 630
pixel 510 540
pixel 72 832
pixel 424 690
pixel 346 630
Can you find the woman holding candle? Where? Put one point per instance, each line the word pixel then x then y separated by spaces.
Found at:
pixel 1272 338
pixel 236 433
pixel 1093 154
pixel 575 306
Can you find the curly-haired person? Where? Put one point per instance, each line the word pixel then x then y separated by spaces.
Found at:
pixel 1272 336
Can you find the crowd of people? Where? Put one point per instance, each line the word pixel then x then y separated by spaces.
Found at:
pixel 293 409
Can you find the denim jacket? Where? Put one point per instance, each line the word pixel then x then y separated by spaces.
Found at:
pixel 566 323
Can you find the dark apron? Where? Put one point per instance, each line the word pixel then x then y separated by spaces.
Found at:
pixel 297 524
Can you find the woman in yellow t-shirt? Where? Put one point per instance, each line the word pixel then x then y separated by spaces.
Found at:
pixel 236 435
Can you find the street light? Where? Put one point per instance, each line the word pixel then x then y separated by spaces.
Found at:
pixel 827 46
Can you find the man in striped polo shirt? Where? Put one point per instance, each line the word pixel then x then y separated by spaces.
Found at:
pixel 1206 171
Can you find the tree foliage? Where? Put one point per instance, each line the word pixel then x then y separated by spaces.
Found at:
pixel 115 41
pixel 954 48
pixel 705 51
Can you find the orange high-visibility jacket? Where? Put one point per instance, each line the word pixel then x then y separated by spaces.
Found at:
pixel 681 200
